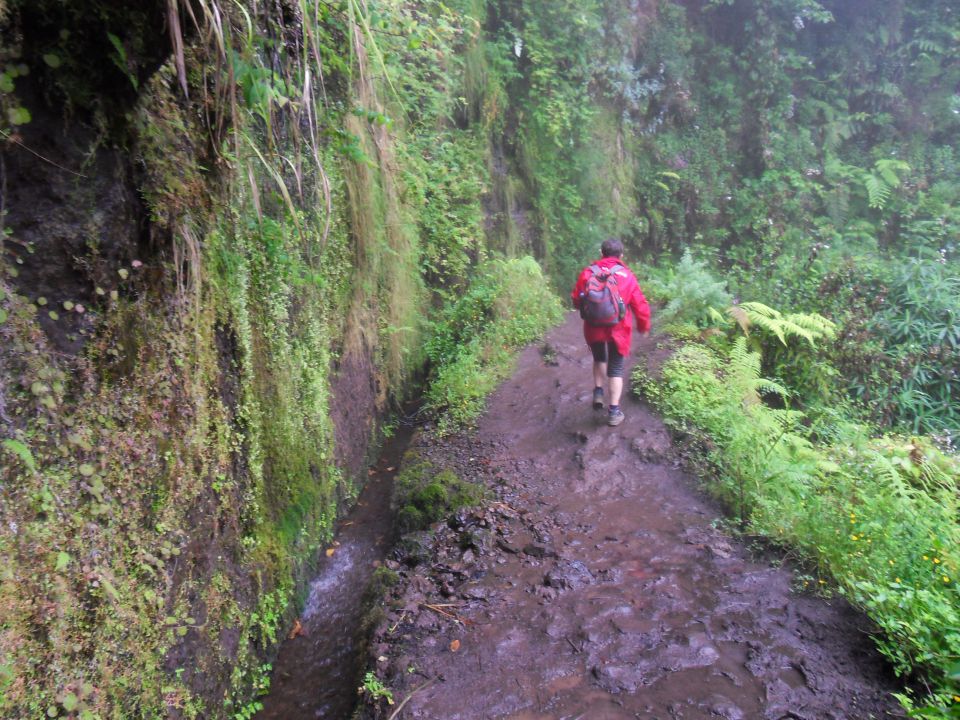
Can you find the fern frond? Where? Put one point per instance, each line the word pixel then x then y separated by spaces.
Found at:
pixel 817 325
pixel 758 308
pixel 766 318
pixel 715 315
pixel 810 327
pixel 743 372
pixel 890 474
pixel 744 363
pixel 741 317
pixel 769 386
pixel 878 192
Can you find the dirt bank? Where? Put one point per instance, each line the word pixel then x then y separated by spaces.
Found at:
pixel 596 585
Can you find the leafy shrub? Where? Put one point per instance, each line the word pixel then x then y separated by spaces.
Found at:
pixel 878 514
pixel 693 291
pixel 920 328
pixel 508 304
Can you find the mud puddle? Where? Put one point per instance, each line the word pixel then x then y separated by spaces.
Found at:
pixel 317 671
pixel 597 585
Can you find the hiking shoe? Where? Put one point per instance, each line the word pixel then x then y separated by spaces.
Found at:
pixel 598 398
pixel 614 417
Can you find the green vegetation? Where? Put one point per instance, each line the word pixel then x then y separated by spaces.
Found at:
pixel 310 204
pixel 507 305
pixel 357 185
pixel 375 690
pixel 875 513
pixel 424 494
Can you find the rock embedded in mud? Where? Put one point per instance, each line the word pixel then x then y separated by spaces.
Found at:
pixel 414 548
pixel 568 575
pixel 539 550
pixel 507 547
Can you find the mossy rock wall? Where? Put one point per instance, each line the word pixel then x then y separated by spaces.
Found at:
pixel 206 296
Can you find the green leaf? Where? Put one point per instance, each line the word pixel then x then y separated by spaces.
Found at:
pixel 86 469
pixel 21 451
pixel 3 316
pixel 70 702
pixel 6 83
pixel 52 60
pixel 98 487
pixel 889 176
pixel 63 561
pixel 18 115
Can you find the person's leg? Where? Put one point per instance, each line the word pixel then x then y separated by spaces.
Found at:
pixel 599 374
pixel 599 351
pixel 616 389
pixel 615 363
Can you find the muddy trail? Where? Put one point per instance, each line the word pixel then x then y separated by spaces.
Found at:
pixel 595 584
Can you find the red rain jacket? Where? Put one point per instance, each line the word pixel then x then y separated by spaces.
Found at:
pixel 633 298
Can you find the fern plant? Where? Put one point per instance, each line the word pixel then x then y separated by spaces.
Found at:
pixel 808 326
pixel 693 293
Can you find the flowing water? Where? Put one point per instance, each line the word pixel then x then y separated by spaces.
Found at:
pixel 318 669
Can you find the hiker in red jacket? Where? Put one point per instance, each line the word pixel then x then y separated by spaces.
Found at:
pixel 606 292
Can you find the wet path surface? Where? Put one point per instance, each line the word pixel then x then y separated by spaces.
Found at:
pixel 596 585
pixel 317 671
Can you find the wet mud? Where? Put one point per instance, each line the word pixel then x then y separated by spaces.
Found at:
pixel 595 583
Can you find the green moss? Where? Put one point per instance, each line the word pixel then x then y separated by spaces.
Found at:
pixel 425 494
pixel 161 495
pixel 410 518
pixel 431 497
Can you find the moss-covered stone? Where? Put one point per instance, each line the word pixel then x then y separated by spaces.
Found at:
pixel 425 494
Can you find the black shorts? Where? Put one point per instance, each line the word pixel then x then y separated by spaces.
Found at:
pixel 607 352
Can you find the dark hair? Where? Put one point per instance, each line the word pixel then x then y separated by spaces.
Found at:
pixel 611 248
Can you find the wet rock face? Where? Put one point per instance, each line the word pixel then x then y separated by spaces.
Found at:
pixel 71 194
pixel 70 235
pixel 354 407
pixel 599 587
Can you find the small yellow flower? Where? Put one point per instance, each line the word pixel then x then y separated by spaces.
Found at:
pixel 946 579
pixel 853 537
pixel 896 580
pixel 936 560
pixel 823 582
pixel 925 557
pixel 890 561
